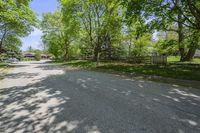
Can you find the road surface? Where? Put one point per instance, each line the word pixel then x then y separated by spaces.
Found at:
pixel 39 97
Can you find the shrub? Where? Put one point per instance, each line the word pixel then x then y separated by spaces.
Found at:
pixel 37 56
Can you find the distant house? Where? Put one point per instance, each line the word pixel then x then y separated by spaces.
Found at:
pixel 30 56
pixel 197 54
pixel 44 56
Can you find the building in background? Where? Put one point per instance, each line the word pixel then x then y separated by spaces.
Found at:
pixel 45 57
pixel 31 56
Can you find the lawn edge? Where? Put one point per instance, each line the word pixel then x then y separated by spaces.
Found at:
pixel 138 76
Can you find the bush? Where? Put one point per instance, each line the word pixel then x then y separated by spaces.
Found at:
pixel 37 56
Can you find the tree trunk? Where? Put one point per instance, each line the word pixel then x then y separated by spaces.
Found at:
pixel 129 48
pixel 190 55
pixel 182 53
pixel 66 50
pixel 180 40
pixel 109 52
pixel 108 41
pixel 1 49
pixel 96 52
pixel 180 34
pixel 66 57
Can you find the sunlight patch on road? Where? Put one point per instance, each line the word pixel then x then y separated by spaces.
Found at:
pixel 22 76
pixel 93 129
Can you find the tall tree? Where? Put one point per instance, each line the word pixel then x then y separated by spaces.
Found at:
pixel 16 21
pixel 160 14
pixel 99 19
pixel 59 30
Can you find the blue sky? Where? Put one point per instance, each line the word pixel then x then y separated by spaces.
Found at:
pixel 40 7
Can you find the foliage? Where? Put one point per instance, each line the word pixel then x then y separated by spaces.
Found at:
pixel 166 47
pixel 59 32
pixel 100 22
pixel 37 55
pixel 140 45
pixel 161 13
pixel 16 21
pixel 179 16
pixel 193 39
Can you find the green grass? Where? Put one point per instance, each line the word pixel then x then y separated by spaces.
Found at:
pixel 81 64
pixel 2 65
pixel 176 59
pixel 196 60
pixel 173 58
pixel 184 71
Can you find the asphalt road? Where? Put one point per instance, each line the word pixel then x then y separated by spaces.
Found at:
pixel 38 97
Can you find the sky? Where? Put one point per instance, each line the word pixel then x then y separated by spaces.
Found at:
pixel 40 7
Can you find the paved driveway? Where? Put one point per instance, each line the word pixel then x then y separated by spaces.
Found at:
pixel 39 97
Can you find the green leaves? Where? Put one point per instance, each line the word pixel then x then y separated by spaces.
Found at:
pixel 60 30
pixel 96 18
pixel 167 11
pixel 16 21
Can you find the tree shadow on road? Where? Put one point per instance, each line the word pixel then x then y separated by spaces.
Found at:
pixel 40 107
pixel 21 75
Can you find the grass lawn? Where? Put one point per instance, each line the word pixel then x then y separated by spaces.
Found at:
pixel 180 71
pixel 176 59
pixel 3 65
pixel 196 60
pixel 173 58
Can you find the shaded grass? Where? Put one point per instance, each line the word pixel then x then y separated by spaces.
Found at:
pixel 2 65
pixel 81 64
pixel 165 71
pixel 184 71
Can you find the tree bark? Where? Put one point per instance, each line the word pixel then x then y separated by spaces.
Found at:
pixel 108 46
pixel 180 40
pixel 66 55
pixel 180 34
pixel 2 40
pixel 1 49
pixel 190 55
pixel 109 51
pixel 97 48
pixel 96 52
pixel 182 53
pixel 130 47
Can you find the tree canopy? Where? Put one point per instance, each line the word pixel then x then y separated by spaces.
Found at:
pixel 180 16
pixel 106 29
pixel 16 21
